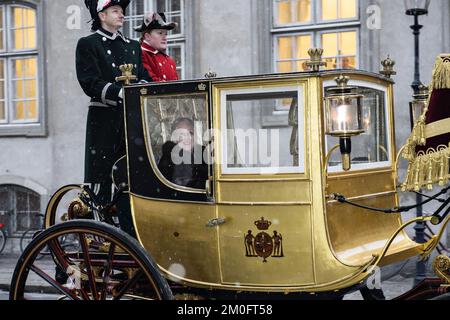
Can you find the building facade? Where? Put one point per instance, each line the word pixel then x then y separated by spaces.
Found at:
pixel 43 109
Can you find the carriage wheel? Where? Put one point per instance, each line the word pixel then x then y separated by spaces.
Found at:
pixel 25 240
pixel 97 261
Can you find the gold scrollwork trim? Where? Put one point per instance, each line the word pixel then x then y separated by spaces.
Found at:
pixel 433 243
pixel 54 202
pixel 402 227
pixel 441 266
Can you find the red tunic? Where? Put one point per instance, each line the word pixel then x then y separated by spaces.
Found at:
pixel 160 66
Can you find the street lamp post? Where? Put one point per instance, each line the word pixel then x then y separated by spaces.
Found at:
pixel 417 8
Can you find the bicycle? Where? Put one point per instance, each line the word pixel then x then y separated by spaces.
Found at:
pixel 30 234
pixel 3 237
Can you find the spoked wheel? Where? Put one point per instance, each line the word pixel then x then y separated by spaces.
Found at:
pixel 90 261
pixel 25 240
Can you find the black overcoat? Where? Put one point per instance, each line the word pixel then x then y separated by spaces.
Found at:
pixel 98 57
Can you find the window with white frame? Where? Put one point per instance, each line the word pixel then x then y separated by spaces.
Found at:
pixel 339 49
pixel 301 24
pixel 173 10
pixel 292 52
pixel 288 12
pixel 338 9
pixel 18 65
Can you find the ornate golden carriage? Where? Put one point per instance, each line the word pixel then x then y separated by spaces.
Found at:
pixel 266 218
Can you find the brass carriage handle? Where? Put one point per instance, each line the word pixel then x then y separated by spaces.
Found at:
pixel 215 222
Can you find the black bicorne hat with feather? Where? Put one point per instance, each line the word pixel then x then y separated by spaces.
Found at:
pixel 155 20
pixel 96 6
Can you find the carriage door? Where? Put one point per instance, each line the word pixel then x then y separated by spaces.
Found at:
pixel 262 185
pixel 169 176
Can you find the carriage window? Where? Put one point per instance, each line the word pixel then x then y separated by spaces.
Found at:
pixel 263 130
pixel 178 137
pixel 371 149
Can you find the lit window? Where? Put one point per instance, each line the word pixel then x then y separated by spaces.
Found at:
pixel 299 25
pixel 23 28
pixel 338 9
pixel 24 95
pixel 18 65
pixel 339 49
pixel 292 11
pixel 293 52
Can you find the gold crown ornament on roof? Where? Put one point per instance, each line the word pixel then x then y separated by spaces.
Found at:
pixel 428 147
pixel 388 67
pixel 342 80
pixel 315 61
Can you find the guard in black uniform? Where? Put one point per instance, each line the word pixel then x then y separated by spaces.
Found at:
pixel 98 58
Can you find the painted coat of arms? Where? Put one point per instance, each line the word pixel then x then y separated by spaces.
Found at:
pixel 263 244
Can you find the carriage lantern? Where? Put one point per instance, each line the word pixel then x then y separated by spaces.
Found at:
pixel 420 102
pixel 416 7
pixel 344 116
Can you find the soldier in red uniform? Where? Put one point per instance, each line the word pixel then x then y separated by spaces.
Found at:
pixel 159 65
